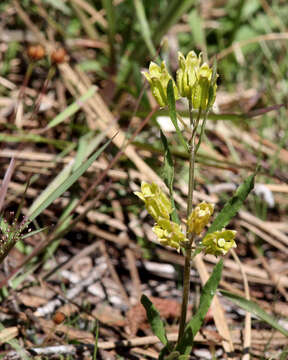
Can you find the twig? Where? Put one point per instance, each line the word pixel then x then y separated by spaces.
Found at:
pixel 133 272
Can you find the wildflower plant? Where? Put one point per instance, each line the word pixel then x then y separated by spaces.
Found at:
pixel 197 83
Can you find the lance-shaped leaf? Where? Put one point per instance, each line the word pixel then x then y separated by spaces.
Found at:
pixel 168 175
pixel 34 211
pixel 233 205
pixel 154 319
pixel 255 309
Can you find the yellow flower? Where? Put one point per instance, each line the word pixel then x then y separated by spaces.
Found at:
pixel 156 202
pixel 158 78
pixel 195 82
pixel 169 233
pixel 199 218
pixel 219 242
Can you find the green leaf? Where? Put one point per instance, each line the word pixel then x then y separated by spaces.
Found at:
pixel 110 10
pixel 32 233
pixel 60 144
pixel 173 356
pixel 172 112
pixel 96 340
pixel 255 309
pixel 144 26
pixel 73 108
pixel 154 319
pixel 59 5
pixel 168 167
pixel 168 175
pixel 87 144
pixel 233 205
pixel 196 26
pixel 33 212
pixel 175 10
pixel 193 326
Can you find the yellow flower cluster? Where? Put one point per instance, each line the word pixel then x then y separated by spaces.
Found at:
pixel 159 207
pixel 170 233
pixel 194 81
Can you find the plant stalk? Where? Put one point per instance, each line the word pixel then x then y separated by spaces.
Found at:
pixel 186 291
pixel 191 185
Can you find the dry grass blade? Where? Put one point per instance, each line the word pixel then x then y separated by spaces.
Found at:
pixel 247 329
pixel 6 181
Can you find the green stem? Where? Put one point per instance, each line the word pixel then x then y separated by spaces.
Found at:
pixel 192 157
pixel 186 291
pixel 191 185
pixel 202 131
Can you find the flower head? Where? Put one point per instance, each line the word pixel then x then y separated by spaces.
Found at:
pixel 156 202
pixel 219 242
pixel 199 217
pixel 158 78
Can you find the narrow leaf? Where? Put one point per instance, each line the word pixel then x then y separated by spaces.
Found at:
pixel 32 233
pixel 172 113
pixel 208 292
pixel 154 319
pixel 6 181
pixel 60 144
pixel 144 26
pixel 168 167
pixel 255 309
pixel 233 205
pixel 168 175
pixel 73 108
pixel 175 10
pixel 197 30
pixel 66 184
pixel 96 341
pixel 63 175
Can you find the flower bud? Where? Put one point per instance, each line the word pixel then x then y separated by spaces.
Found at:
pixel 156 202
pixel 36 52
pixel 199 218
pixel 219 242
pixel 58 317
pixel 169 233
pixel 158 78
pixel 58 56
